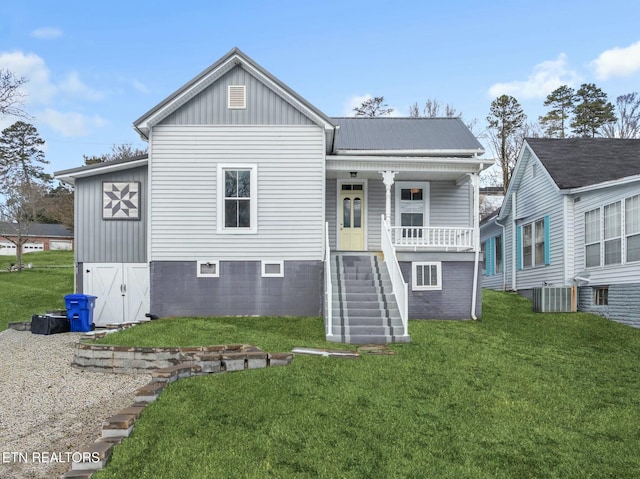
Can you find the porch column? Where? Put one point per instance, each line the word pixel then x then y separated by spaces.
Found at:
pixel 475 182
pixel 387 179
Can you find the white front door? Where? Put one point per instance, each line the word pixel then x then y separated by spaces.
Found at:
pixel 121 290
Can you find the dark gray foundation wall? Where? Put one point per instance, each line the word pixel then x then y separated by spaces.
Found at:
pixel 453 301
pixel 623 307
pixel 239 291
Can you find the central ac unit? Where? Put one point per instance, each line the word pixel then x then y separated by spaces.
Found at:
pixel 554 299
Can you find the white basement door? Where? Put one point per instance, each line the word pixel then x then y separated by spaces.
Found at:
pixel 122 291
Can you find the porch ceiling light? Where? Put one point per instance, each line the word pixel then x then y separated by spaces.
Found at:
pixel 353 174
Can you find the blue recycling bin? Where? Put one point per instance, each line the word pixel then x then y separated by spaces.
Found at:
pixel 80 311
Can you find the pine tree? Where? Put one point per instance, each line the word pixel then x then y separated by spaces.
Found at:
pixel 554 123
pixel 592 112
pixel 506 119
pixel 21 155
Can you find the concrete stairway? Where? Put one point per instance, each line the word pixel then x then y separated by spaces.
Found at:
pixel 364 308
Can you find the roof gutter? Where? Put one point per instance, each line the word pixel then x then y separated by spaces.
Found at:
pixel 412 152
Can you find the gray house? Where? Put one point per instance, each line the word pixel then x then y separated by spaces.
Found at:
pixel 253 202
pixel 571 217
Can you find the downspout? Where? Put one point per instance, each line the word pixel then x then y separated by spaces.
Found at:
pixel 476 241
pixel 504 262
pixel 514 249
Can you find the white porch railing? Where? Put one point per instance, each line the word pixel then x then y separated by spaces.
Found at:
pixel 328 287
pixel 433 237
pixel 400 288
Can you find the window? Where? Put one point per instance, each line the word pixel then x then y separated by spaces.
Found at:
pixel 412 207
pixel 601 296
pixel 532 244
pixel 592 238
pixel 612 233
pixel 237 199
pixel 632 228
pixel 426 276
pixel 208 269
pixel 527 251
pixel 237 97
pixel 492 249
pixel 498 254
pixel 273 269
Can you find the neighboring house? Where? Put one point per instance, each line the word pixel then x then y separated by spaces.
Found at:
pixel 253 202
pixel 40 237
pixel 571 217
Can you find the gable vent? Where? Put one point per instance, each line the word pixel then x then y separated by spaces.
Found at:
pixel 237 98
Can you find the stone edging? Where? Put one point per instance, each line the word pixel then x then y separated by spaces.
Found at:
pixel 165 366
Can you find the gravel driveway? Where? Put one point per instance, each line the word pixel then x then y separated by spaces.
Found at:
pixel 48 408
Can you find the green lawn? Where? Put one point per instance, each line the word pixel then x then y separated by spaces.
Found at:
pixel 516 395
pixel 35 290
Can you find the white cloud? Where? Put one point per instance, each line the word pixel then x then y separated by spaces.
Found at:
pixel 46 33
pixel 617 62
pixel 39 88
pixel 70 124
pixel 140 87
pixel 73 86
pixel 546 77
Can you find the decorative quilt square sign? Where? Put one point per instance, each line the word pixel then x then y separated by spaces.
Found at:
pixel 121 200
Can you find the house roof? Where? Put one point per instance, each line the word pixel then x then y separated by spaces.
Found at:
pixel 579 162
pixel 435 136
pixel 70 175
pixel 38 229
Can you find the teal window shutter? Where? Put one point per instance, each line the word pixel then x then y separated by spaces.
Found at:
pixel 547 241
pixel 487 256
pixel 519 247
pixel 491 269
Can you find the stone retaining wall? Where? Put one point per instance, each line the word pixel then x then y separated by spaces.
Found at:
pixel 210 359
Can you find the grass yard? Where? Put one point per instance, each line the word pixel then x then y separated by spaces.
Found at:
pixel 516 395
pixel 35 290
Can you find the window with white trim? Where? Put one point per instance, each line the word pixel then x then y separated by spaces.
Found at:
pixel 632 228
pixel 592 238
pixel 532 242
pixel 612 233
pixel 601 296
pixel 426 276
pixel 272 269
pixel 208 269
pixel 237 199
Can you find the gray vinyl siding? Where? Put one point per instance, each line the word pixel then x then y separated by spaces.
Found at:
pixel 109 241
pixel 290 177
pixel 377 199
pixel 331 190
pixel 451 204
pixel 536 198
pixel 264 106
pixel 621 273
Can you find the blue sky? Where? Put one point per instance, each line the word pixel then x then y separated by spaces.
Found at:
pixel 95 67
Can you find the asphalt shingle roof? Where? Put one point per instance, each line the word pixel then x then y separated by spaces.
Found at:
pixel 577 162
pixel 389 133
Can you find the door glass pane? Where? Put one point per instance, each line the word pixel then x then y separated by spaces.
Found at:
pixel 357 213
pixel 346 212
